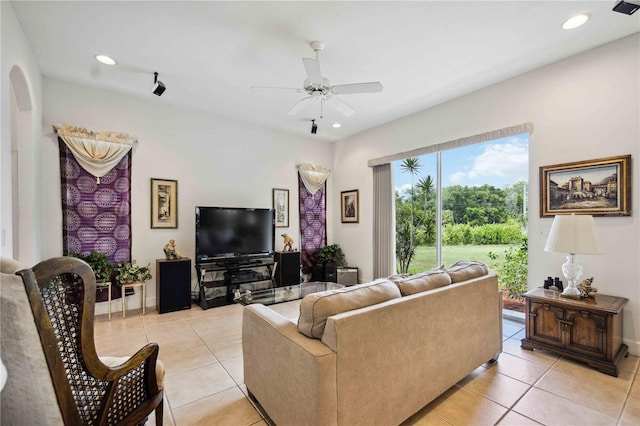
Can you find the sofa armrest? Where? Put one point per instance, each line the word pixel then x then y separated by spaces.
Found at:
pixel 293 377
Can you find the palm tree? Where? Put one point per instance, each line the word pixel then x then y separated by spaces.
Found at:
pixel 411 165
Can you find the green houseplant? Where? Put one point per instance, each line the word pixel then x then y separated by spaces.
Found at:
pixel 102 268
pixel 130 272
pixel 332 254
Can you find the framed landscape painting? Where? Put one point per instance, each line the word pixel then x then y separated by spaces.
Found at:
pixel 281 206
pixel 349 206
pixel 599 187
pixel 164 203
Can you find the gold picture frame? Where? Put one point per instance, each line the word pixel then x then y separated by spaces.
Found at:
pixel 600 187
pixel 281 207
pixel 350 206
pixel 164 204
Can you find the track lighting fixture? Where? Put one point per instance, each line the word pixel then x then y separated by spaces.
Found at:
pixel 314 127
pixel 158 86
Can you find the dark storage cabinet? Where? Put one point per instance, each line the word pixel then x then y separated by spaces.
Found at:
pixel 173 284
pixel 288 268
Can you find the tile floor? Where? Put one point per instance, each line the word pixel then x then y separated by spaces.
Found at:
pixel 202 352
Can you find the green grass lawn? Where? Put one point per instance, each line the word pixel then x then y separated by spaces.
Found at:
pixel 425 257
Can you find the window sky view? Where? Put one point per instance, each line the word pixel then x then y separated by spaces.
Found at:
pixel 499 163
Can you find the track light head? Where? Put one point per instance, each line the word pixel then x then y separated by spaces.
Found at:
pixel 314 127
pixel 158 86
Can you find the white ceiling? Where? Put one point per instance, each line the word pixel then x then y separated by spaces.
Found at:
pixel 209 54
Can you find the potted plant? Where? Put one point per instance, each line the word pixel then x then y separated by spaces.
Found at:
pixel 130 272
pixel 99 263
pixel 332 254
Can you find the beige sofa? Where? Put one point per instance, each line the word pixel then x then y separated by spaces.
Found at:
pixel 396 345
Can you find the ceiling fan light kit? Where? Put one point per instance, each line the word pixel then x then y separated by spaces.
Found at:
pixel 314 127
pixel 319 88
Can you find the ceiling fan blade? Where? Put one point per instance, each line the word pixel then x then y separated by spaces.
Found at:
pixel 295 89
pixel 300 105
pixel 312 67
pixel 343 89
pixel 340 106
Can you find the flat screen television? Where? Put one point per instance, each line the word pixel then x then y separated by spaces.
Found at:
pixel 234 235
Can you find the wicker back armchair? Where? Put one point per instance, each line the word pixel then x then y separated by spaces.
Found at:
pixel 62 295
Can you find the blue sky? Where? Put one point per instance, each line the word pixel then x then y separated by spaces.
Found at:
pixel 498 163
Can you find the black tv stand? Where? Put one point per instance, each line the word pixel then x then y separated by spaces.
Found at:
pixel 217 281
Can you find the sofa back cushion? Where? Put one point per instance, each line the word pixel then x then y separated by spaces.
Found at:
pixel 466 270
pixel 317 307
pixel 423 281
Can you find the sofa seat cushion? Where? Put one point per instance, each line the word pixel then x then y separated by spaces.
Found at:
pixel 317 307
pixel 423 281
pixel 466 270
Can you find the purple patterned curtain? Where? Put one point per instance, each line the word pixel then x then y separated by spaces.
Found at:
pixel 313 224
pixel 96 217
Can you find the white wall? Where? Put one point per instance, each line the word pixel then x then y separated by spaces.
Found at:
pixel 216 162
pixel 21 81
pixel 584 107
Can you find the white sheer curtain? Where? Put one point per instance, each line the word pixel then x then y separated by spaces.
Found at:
pixel 383 227
pixel 96 152
pixel 313 177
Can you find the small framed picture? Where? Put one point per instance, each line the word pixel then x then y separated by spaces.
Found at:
pixel 281 206
pixel 350 206
pixel 164 203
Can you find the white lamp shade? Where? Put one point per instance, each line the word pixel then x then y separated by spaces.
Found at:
pixel 573 234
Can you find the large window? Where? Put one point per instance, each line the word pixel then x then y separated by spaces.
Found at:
pixel 462 203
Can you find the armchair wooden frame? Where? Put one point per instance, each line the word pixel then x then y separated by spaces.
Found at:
pixel 61 293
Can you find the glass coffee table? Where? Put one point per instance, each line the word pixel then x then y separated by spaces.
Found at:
pixel 287 293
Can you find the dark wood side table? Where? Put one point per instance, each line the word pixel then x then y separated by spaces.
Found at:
pixel 587 330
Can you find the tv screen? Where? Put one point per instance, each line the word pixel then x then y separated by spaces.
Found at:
pixel 234 234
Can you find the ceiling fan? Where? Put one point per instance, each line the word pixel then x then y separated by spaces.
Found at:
pixel 319 88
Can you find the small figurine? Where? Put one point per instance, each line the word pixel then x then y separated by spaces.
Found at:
pixel 170 250
pixel 288 242
pixel 585 288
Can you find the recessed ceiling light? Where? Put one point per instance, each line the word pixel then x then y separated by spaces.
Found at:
pixel 576 21
pixel 104 59
pixel 336 125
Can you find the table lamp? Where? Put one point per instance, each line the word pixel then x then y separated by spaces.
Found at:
pixel 573 234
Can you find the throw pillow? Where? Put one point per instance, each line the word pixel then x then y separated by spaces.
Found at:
pixel 317 307
pixel 424 281
pixel 465 270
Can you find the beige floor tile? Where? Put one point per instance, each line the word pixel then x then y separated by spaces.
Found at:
pixel 630 363
pixel 211 334
pixel 196 384
pixel 552 410
pixel 599 395
pixel 631 412
pixel 120 344
pixel 519 369
pixel 235 368
pixel 226 348
pixel 184 360
pixel 462 407
pixel 425 419
pixel 496 387
pixel 514 419
pixel 159 330
pixel 512 346
pixel 230 407
pixel 155 318
pixel 593 377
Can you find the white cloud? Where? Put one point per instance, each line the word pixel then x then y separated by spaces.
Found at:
pixel 509 161
pixel 458 178
pixel 404 188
